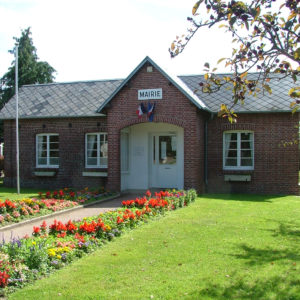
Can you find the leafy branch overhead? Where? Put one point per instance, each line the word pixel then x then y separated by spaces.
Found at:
pixel 265 40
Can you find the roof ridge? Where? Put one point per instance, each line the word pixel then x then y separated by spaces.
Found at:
pixel 202 74
pixel 71 82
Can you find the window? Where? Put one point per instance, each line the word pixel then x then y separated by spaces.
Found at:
pixel 238 150
pixel 47 151
pixel 96 150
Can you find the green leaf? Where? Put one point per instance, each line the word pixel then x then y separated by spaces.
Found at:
pixel 220 60
pixel 247 25
pixel 294 76
pixel 196 6
pixel 232 21
pixel 295 92
pixel 267 88
pixel 297 54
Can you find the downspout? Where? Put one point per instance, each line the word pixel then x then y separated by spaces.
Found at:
pixel 206 151
pixel 205 155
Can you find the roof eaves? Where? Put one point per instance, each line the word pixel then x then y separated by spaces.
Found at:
pixel 53 117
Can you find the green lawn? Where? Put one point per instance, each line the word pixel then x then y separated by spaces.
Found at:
pixel 11 193
pixel 220 247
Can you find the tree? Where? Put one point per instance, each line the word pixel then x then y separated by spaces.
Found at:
pixel 30 70
pixel 265 39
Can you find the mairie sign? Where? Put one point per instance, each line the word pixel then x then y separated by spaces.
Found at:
pixel 150 94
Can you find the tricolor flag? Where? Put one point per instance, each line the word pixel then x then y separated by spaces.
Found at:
pixel 151 111
pixel 141 110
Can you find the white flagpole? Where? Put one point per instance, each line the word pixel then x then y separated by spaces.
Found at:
pixel 17 120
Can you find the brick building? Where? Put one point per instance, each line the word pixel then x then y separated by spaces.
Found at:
pixel 89 134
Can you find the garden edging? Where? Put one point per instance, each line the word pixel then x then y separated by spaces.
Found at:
pixel 15 225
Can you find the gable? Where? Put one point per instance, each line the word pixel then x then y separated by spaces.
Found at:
pixel 177 82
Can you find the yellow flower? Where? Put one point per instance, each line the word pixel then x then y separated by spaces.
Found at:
pixel 108 227
pixel 51 252
pixel 33 243
pixel 58 256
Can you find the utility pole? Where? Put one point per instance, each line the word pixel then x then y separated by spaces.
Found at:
pixel 17 119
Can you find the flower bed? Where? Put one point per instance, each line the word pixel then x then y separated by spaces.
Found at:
pixel 81 196
pixel 51 201
pixel 54 246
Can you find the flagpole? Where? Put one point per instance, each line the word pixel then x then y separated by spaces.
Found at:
pixel 17 120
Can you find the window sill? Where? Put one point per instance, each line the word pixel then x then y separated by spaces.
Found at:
pixel 94 174
pixel 238 169
pixel 96 167
pixel 47 167
pixel 44 173
pixel 237 177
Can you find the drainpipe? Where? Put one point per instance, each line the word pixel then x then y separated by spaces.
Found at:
pixel 205 155
pixel 206 151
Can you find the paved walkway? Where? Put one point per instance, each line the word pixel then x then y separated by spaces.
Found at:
pixel 93 210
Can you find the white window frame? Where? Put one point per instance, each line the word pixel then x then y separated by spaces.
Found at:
pixel 238 167
pixel 98 165
pixel 47 165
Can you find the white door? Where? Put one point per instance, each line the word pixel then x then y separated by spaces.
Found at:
pixel 163 161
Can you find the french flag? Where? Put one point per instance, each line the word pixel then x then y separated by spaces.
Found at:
pixel 151 108
pixel 141 110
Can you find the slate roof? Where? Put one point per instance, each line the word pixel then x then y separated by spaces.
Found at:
pixel 278 101
pixel 84 99
pixel 75 99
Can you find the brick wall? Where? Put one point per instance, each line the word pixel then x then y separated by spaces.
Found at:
pixel 71 150
pixel 275 166
pixel 174 109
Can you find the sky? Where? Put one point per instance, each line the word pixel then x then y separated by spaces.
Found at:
pixel 96 39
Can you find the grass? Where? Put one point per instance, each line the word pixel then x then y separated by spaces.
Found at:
pixel 221 247
pixel 11 193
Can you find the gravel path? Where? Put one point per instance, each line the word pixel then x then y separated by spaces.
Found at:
pixel 23 229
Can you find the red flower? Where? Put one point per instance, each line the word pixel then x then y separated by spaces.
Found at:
pixel 43 227
pixel 132 216
pixel 61 235
pixel 3 278
pixel 148 193
pixel 71 227
pixel 79 237
pixel 119 220
pixel 138 213
pixel 9 204
pixel 57 226
pixel 88 227
pixel 36 231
